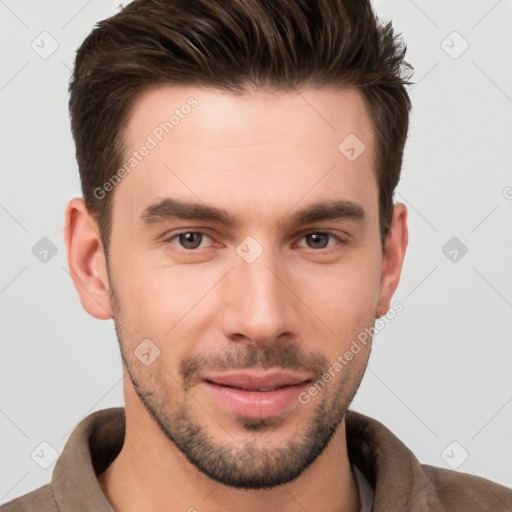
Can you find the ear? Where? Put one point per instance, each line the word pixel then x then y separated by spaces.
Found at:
pixel 394 252
pixel 86 259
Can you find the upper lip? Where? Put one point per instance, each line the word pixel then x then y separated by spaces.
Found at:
pixel 257 381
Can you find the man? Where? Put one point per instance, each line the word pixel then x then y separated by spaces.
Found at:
pixel 238 161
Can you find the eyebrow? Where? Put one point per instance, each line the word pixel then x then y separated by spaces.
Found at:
pixel 171 208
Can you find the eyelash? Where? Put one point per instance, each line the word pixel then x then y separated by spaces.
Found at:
pixel 203 233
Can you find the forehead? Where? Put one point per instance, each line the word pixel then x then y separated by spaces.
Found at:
pixel 263 145
pixel 218 118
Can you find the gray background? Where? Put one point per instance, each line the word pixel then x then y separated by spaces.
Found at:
pixel 440 374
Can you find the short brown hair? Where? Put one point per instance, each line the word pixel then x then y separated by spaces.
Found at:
pixel 230 45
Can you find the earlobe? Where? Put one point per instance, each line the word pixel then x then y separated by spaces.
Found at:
pixel 394 253
pixel 86 259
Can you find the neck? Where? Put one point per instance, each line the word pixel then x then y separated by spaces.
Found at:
pixel 151 474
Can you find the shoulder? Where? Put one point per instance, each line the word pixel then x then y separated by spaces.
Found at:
pixel 463 491
pixel 38 500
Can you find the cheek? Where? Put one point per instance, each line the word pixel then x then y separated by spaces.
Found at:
pixel 345 296
pixel 158 298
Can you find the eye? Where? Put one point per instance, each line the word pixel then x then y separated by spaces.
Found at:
pixel 320 240
pixel 188 240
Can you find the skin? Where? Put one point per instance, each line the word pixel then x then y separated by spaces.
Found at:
pixel 260 156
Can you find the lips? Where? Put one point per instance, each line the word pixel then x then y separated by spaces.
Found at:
pixel 256 394
pixel 258 381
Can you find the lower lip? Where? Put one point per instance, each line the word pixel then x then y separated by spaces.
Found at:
pixel 256 404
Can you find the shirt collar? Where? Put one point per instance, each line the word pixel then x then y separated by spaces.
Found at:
pixel 91 447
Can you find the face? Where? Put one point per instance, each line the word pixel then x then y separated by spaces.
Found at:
pixel 245 259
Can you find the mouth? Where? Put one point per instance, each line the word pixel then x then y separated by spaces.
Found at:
pixel 257 394
pixel 258 381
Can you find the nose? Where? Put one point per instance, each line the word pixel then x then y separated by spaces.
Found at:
pixel 258 305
